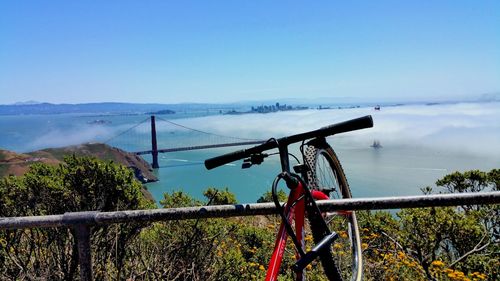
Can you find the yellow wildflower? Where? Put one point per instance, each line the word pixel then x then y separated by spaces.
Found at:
pixel 437 263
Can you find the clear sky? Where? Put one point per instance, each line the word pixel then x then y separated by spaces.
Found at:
pixel 170 51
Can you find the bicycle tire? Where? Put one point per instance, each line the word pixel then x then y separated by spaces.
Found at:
pixel 325 170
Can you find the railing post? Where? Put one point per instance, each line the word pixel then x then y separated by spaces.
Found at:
pixel 81 222
pixel 84 251
pixel 154 146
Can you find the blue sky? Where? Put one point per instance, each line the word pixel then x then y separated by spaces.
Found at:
pixel 226 51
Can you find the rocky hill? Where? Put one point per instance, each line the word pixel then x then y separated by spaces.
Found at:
pixel 12 163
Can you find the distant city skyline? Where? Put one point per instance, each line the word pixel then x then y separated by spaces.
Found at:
pixel 231 51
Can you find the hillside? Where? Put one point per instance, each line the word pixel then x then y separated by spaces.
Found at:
pixel 103 108
pixel 12 163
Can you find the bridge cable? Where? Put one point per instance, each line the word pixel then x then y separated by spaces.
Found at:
pixel 203 132
pixel 126 131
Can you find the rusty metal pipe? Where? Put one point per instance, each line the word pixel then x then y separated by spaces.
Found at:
pixel 97 218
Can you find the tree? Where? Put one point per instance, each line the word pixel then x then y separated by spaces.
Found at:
pixel 219 197
pixel 268 197
pixel 178 199
pixel 469 181
pixel 450 243
pixel 78 184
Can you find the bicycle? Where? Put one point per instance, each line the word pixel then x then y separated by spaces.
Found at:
pixel 320 176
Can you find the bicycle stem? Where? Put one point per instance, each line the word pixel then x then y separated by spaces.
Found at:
pixel 284 160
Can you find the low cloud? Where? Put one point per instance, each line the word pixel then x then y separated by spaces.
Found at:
pixel 71 136
pixel 466 127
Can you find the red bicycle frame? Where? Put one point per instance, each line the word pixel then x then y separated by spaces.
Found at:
pixel 294 208
pixel 300 198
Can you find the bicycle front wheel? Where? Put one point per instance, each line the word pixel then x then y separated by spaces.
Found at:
pixel 343 260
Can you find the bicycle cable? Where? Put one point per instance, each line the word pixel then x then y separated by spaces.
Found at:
pixel 290 154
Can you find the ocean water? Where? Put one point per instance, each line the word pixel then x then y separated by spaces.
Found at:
pixel 370 172
pixel 420 145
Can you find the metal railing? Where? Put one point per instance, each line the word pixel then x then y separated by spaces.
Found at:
pixel 81 222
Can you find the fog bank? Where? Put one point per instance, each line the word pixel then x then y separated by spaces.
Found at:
pixel 470 128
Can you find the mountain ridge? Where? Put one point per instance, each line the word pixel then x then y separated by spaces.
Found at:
pixel 32 107
pixel 12 163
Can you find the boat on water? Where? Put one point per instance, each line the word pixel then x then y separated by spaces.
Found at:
pixel 376 144
pixel 99 122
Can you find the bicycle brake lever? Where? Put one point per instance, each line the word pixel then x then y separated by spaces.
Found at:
pixel 258 158
pixel 254 159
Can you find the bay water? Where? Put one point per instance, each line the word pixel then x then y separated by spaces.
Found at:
pixel 420 144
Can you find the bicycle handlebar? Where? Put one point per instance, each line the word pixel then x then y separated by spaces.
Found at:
pixel 342 127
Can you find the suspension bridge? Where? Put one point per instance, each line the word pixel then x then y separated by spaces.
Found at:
pixel 155 135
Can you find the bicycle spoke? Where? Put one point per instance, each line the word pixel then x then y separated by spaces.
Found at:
pixel 326 174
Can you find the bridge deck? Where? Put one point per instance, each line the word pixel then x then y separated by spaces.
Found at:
pixel 186 148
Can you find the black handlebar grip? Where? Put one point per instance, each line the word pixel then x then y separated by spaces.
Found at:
pixel 224 159
pixel 347 126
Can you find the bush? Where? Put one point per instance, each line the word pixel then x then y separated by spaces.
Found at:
pixel 78 184
pixel 451 243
